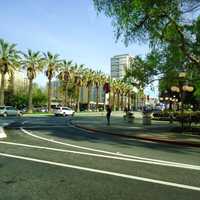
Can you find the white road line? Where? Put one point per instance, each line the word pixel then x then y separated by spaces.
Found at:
pixel 189 187
pixel 112 153
pixel 45 126
pixel 194 167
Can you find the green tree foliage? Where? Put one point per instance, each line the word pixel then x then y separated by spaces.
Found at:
pixel 39 96
pixel 142 72
pixel 9 61
pixel 52 64
pixel 161 23
pixel 20 99
pixel 33 63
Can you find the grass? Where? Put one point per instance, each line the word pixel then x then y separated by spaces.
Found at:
pixel 37 113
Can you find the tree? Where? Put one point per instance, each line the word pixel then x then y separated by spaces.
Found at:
pixel 39 96
pixel 114 92
pixel 64 76
pixel 52 64
pixel 9 61
pixel 161 23
pixel 99 80
pixel 89 80
pixel 32 62
pixel 78 72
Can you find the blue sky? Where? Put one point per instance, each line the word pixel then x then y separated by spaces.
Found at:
pixel 70 28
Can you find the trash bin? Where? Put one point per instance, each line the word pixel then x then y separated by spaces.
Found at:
pixel 147 119
pixel 130 117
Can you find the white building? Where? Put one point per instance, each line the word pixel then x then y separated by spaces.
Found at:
pixel 119 64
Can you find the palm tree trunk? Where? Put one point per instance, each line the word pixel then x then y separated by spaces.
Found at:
pixel 30 94
pixel 66 94
pixel 122 101
pixel 97 98
pixel 113 101
pixel 49 95
pixel 109 99
pixel 78 99
pixel 2 89
pixel 129 100
pixel 118 101
pixel 104 103
pixel 11 83
pixel 89 92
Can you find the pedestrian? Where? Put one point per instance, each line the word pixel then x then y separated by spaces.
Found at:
pixel 126 113
pixel 108 110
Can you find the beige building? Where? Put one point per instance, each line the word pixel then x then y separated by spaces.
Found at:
pixel 119 64
pixel 18 81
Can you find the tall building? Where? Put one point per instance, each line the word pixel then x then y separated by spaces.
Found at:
pixel 119 64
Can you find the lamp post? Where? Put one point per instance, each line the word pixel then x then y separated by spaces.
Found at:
pixel 165 98
pixel 181 89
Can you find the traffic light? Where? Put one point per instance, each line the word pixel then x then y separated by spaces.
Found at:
pixel 106 87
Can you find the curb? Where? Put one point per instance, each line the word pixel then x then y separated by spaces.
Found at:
pixel 2 133
pixel 153 139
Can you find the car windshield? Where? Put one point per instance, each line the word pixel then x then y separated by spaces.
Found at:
pixel 66 108
pixel 57 108
pixel 2 107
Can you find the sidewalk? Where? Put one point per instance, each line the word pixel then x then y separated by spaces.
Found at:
pixel 159 131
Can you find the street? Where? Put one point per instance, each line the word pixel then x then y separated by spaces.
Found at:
pixel 49 158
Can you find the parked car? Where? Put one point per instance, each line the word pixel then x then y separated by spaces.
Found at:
pixel 44 109
pixel 64 111
pixel 9 110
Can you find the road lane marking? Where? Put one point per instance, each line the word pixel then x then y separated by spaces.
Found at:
pixel 144 159
pixel 189 187
pixel 194 167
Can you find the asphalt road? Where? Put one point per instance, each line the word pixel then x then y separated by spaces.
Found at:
pixel 47 158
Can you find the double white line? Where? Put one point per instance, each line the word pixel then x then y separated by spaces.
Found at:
pixel 110 155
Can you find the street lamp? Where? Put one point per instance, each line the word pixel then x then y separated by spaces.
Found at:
pixel 165 98
pixel 181 89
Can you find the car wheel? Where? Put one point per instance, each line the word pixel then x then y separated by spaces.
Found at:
pixel 5 114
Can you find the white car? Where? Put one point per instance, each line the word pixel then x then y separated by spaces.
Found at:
pixel 64 111
pixel 9 110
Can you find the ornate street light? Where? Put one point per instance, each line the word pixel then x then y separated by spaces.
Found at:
pixel 181 89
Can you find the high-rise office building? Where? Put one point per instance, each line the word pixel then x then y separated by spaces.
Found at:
pixel 119 64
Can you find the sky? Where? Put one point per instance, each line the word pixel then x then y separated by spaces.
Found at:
pixel 71 28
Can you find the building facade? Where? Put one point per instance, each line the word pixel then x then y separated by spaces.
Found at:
pixel 17 81
pixel 57 96
pixel 119 64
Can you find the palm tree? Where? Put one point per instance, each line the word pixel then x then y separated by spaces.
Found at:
pixel 114 92
pixel 78 81
pixel 64 76
pixel 118 90
pixel 122 92
pixel 32 62
pixel 9 60
pixel 130 99
pixel 99 80
pixel 52 63
pixel 127 90
pixel 89 79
